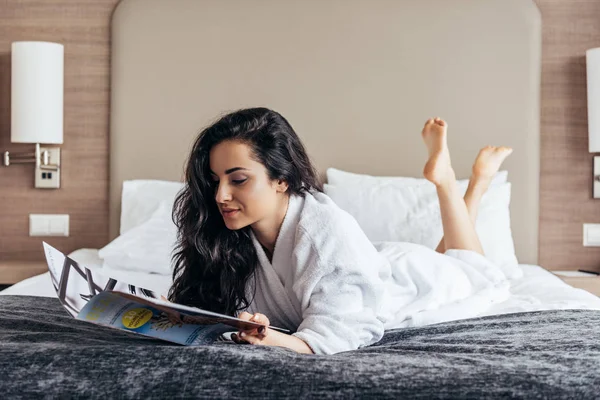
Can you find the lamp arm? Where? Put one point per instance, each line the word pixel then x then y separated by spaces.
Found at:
pixel 41 159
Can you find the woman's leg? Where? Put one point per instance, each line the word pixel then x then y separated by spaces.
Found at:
pixel 459 232
pixel 486 165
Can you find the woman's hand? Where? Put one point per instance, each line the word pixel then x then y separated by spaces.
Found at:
pixel 255 335
pixel 268 337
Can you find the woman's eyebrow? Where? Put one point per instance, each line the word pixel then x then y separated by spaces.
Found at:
pixel 230 170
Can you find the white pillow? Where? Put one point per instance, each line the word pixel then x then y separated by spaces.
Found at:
pixel 339 177
pixel 147 247
pixel 390 212
pixel 141 198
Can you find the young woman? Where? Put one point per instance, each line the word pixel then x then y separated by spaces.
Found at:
pixel 256 234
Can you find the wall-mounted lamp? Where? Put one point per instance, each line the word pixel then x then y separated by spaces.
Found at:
pixel 37 107
pixel 593 102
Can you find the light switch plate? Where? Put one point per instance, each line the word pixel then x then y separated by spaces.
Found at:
pixel 48 224
pixel 591 235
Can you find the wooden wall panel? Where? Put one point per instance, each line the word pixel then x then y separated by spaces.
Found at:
pixel 569 28
pixel 83 26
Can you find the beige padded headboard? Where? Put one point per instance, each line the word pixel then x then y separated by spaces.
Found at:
pixel 355 78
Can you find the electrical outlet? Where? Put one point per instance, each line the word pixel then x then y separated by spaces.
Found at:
pixel 48 224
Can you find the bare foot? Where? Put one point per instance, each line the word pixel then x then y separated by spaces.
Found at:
pixel 488 162
pixel 437 169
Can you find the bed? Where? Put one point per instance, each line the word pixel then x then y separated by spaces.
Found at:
pixel 356 79
pixel 536 290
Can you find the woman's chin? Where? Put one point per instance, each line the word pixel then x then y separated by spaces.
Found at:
pixel 234 225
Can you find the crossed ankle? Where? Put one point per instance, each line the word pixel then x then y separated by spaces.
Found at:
pixel 448 182
pixel 480 181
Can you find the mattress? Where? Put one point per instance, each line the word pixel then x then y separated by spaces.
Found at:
pixel 537 290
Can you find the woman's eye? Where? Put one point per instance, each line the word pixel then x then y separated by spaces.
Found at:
pixel 239 181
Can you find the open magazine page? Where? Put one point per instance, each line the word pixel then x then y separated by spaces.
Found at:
pixel 90 296
pixel 76 285
pixel 121 311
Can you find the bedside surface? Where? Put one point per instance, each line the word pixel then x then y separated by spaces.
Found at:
pixel 580 280
pixel 15 271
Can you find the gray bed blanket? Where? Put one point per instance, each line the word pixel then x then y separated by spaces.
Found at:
pixel 546 354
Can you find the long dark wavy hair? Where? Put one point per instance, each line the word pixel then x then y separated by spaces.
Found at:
pixel 212 264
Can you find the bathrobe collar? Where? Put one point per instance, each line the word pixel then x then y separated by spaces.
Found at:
pixel 284 244
pixel 276 295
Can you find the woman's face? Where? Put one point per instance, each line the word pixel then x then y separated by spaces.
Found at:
pixel 243 191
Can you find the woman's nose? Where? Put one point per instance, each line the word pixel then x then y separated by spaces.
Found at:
pixel 223 193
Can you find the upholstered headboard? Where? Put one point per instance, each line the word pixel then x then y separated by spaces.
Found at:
pixel 355 78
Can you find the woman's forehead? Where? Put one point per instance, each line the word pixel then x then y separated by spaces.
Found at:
pixel 229 155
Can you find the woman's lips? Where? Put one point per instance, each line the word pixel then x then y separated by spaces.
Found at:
pixel 230 213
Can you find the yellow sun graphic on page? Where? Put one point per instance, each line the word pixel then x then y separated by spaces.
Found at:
pixel 136 317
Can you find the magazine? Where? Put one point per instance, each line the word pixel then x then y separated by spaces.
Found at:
pixel 90 296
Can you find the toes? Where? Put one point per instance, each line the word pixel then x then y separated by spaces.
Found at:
pixel 436 120
pixel 503 149
pixel 440 121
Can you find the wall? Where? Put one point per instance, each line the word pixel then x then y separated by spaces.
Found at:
pixel 83 27
pixel 569 28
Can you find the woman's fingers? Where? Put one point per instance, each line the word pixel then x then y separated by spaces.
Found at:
pixel 247 317
pixel 244 315
pixel 263 320
pixel 236 338
pixel 258 318
pixel 254 335
pixel 252 339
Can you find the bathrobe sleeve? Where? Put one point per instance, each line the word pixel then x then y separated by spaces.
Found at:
pixel 337 282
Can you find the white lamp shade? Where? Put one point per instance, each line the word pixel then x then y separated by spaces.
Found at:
pixel 593 98
pixel 37 90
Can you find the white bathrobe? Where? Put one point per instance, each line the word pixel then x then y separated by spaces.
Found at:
pixel 337 291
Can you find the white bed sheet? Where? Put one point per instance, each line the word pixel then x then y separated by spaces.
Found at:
pixel 540 289
pixel 537 290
